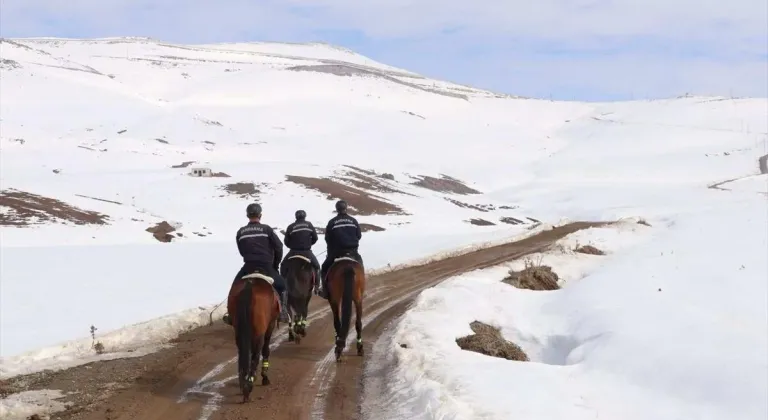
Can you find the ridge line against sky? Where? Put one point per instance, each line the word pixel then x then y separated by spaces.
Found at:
pixel 571 50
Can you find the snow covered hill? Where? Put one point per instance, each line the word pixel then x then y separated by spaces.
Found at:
pixel 99 138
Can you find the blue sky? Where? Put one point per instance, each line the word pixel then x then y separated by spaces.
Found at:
pixel 563 49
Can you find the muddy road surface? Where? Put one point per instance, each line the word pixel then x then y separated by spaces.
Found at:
pixel 195 378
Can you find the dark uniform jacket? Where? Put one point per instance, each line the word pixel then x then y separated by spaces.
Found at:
pixel 259 245
pixel 300 236
pixel 343 232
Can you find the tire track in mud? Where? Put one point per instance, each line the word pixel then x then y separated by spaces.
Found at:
pixel 195 379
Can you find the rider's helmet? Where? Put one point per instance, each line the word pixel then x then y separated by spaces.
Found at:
pixel 341 206
pixel 253 210
pixel 301 215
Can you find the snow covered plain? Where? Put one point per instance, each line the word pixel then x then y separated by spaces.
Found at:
pixel 670 324
pixel 85 121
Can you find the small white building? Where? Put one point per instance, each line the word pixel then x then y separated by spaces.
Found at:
pixel 200 172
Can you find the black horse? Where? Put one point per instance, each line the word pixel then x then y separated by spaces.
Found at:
pixel 300 278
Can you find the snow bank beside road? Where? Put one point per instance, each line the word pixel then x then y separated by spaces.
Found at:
pixel 669 325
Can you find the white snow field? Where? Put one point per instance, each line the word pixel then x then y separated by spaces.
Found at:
pixel 83 121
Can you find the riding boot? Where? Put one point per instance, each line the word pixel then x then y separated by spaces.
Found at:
pixel 317 282
pixel 283 308
pixel 324 290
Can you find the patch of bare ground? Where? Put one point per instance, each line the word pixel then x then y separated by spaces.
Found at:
pixel 20 208
pixel 162 231
pixel 488 340
pixel 242 189
pixel 9 64
pixel 511 221
pixel 444 184
pixel 366 180
pixel 479 207
pixel 100 199
pixel 367 227
pixel 183 164
pixel 589 249
pixel 643 222
pixel 534 276
pixel 220 175
pixel 360 202
pixel 480 222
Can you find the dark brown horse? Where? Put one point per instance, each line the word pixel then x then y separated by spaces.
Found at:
pixel 299 277
pixel 346 284
pixel 256 308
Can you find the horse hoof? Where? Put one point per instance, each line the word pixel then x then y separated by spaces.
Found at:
pixel 360 351
pixel 291 337
pixel 265 381
pixel 297 340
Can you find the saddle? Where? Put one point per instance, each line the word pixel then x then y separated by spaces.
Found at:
pixel 300 257
pixel 261 276
pixel 258 275
pixel 347 256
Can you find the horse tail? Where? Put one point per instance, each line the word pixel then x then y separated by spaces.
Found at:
pixel 244 331
pixel 346 301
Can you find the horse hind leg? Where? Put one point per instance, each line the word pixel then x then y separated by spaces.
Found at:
pixel 291 324
pixel 265 351
pixel 303 317
pixel 359 326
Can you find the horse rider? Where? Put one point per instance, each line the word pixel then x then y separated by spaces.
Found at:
pixel 262 250
pixel 299 238
pixel 342 235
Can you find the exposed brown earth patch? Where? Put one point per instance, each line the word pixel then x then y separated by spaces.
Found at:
pixel 242 189
pixel 220 175
pixel 643 222
pixel 366 180
pixel 183 164
pixel 359 201
pixel 162 231
pixel 20 208
pixel 367 227
pixel 444 184
pixel 589 249
pixel 480 222
pixel 511 221
pixel 100 199
pixel 488 340
pixel 479 207
pixel 533 277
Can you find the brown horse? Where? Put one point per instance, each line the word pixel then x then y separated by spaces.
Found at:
pixel 255 306
pixel 346 284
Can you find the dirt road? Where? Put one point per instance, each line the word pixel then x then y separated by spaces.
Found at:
pixel 194 380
